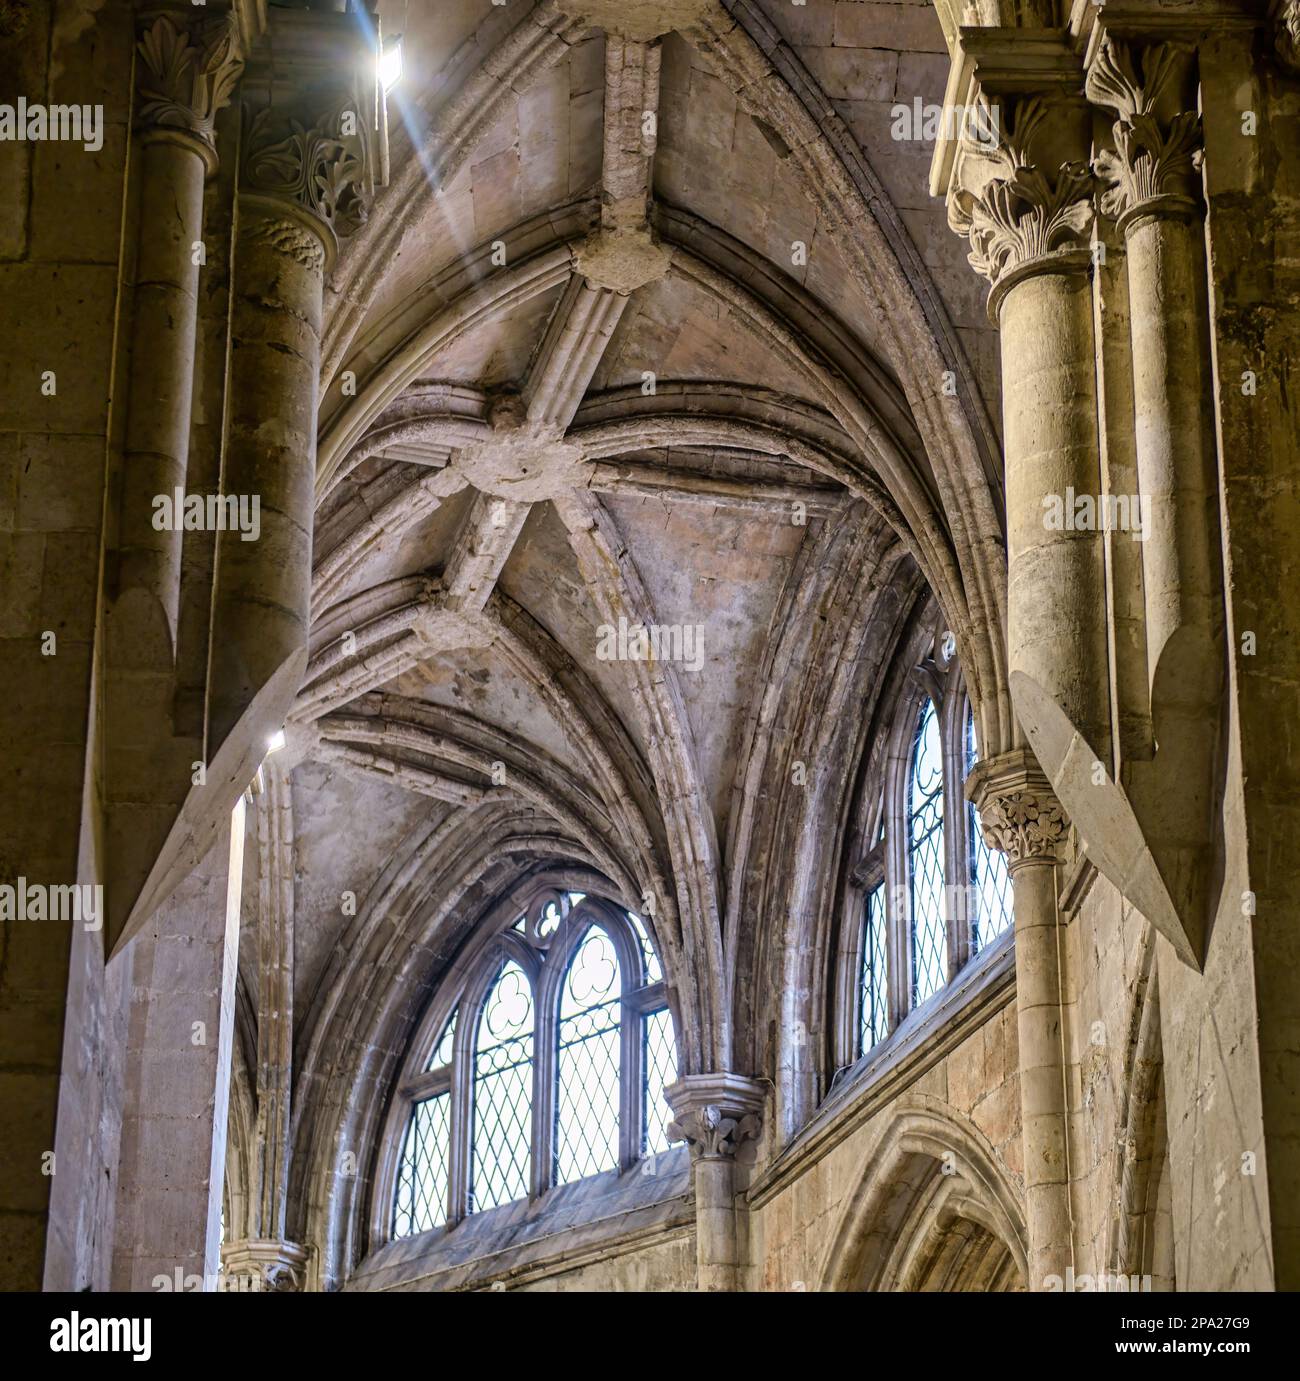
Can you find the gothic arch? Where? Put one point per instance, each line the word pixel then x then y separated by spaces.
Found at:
pixel 934 1210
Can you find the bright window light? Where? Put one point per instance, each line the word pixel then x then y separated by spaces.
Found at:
pixel 275 742
pixel 390 63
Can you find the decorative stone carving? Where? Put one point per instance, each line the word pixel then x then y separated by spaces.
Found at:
pixel 1288 34
pixel 1024 825
pixel 292 240
pixel 1018 810
pixel 719 1116
pixel 1152 166
pixel 1025 216
pixel 277 1267
pixel 186 75
pixel 323 166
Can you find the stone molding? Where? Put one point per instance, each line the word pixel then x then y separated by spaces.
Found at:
pixel 720 1116
pixel 1152 168
pixel 186 74
pixel 1018 810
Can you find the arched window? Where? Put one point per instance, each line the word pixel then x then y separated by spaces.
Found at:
pixel 553 1047
pixel 925 844
pixel 927 893
pixel 990 881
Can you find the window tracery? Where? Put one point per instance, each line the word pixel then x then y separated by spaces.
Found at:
pixel 554 1044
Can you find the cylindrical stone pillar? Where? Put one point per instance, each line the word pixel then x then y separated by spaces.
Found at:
pixel 1056 592
pixel 261 611
pixel 173 166
pixel 1020 816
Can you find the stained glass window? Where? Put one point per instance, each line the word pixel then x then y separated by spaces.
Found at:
pixel 991 911
pixel 874 992
pixel 503 1091
pixel 925 857
pixel 588 1065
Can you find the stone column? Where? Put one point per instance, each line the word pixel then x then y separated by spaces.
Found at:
pixel 180 1029
pixel 186 72
pixel 1153 192
pixel 1028 228
pixel 306 177
pixel 1020 816
pixel 266 1255
pixel 719 1116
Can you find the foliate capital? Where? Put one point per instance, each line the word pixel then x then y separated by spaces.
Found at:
pixel 1018 810
pixel 321 162
pixel 1287 20
pixel 187 71
pixel 1034 210
pixel 720 1116
pixel 1157 131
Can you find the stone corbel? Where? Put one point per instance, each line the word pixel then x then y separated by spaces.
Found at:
pixel 719 1116
pixel 276 1267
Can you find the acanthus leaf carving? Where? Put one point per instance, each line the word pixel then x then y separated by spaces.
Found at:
pixel 1154 159
pixel 187 75
pixel 1025 215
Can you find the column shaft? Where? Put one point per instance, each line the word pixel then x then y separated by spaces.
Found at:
pixel 261 613
pixel 1056 597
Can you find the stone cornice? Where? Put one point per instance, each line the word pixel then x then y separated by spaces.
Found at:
pixel 717 1115
pixel 1018 810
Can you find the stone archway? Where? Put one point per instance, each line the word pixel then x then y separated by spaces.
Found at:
pixel 934 1211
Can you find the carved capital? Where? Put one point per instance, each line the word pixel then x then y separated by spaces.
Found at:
pixel 1018 810
pixel 1287 41
pixel 186 73
pixel 322 165
pixel 1031 213
pixel 272 1266
pixel 1157 150
pixel 718 1115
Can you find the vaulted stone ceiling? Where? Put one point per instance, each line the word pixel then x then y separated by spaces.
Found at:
pixel 669 331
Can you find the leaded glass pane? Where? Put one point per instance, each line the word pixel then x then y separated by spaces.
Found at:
pixel 443 1050
pixel 653 972
pixel 925 847
pixel 421 1199
pixel 659 1066
pixel 990 881
pixel 503 1092
pixel 588 1065
pixel 874 995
